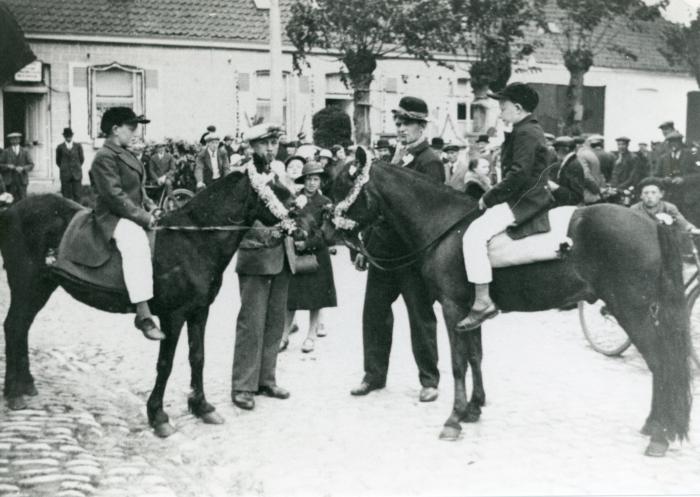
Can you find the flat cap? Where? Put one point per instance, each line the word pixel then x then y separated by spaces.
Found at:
pixel 211 137
pixel 118 116
pixel 564 141
pixel 674 136
pixel 450 147
pixel 14 134
pixel 666 124
pixel 622 139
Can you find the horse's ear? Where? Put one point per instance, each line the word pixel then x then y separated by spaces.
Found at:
pixel 361 156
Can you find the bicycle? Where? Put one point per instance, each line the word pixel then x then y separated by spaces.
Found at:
pixel 607 337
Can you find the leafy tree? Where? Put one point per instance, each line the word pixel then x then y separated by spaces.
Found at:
pixel 683 46
pixel 492 34
pixel 585 29
pixel 360 32
pixel 331 126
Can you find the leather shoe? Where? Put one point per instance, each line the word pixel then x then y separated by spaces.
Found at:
pixel 273 391
pixel 475 318
pixel 428 394
pixel 148 328
pixel 364 389
pixel 244 400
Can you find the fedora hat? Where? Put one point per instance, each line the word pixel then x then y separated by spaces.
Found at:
pixel 311 167
pixel 413 109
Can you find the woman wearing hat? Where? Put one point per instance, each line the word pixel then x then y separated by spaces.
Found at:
pixel 122 210
pixel 316 290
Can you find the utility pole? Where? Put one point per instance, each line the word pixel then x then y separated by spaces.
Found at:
pixel 276 78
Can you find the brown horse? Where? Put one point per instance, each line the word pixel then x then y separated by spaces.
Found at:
pixel 188 268
pixel 628 261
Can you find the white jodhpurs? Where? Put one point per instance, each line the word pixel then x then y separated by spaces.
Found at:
pixel 475 241
pixel 132 243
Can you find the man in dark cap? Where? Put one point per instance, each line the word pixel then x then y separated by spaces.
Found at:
pixel 437 144
pixel 162 168
pixel 678 162
pixel 516 201
pixel 383 149
pixel 69 159
pixel 384 287
pixel 653 205
pixel 626 170
pixel 567 179
pixel 15 163
pixel 605 159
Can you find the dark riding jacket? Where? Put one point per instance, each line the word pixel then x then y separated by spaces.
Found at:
pixel 571 180
pixel 524 185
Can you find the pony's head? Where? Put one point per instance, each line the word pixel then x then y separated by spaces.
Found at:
pixel 353 206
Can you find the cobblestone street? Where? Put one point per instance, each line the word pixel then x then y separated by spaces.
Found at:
pixel 560 418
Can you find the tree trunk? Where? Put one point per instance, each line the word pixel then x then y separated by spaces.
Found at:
pixel 361 113
pixel 574 103
pixel 577 62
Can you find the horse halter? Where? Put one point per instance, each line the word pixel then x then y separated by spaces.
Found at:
pixel 339 220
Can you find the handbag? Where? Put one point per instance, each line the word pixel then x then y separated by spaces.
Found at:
pixel 299 263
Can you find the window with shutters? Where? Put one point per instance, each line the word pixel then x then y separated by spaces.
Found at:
pixel 114 85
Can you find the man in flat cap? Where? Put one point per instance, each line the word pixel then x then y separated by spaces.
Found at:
pixel 162 168
pixel 567 179
pixel 653 205
pixel 626 170
pixel 211 163
pixel 518 200
pixel 384 287
pixel 15 163
pixel 455 169
pixel 263 277
pixel 678 162
pixel 69 159
pixel 605 158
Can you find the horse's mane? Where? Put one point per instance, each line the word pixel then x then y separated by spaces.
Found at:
pixel 442 204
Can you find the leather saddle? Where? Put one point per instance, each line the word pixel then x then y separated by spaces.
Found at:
pixel 85 258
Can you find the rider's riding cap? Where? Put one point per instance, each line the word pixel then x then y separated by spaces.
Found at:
pixel 518 93
pixel 311 167
pixel 118 116
pixel 412 109
pixel 262 131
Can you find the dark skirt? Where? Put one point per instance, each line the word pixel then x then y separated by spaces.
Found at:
pixel 313 290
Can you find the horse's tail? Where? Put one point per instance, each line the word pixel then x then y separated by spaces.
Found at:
pixel 673 366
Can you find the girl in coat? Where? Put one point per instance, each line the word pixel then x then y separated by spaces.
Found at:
pixel 316 290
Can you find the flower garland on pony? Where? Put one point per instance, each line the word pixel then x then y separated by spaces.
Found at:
pixel 339 220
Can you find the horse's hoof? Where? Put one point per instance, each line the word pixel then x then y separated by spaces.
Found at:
pixel 656 448
pixel 450 433
pixel 16 403
pixel 212 418
pixel 163 430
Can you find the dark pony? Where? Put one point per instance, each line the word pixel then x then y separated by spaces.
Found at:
pixel 188 269
pixel 625 259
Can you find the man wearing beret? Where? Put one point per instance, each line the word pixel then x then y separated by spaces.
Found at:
pixel 517 200
pixel 384 287
pixel 15 163
pixel 626 170
pixel 678 162
pixel 263 277
pixel 69 159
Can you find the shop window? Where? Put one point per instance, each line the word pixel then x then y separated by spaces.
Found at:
pixel 114 85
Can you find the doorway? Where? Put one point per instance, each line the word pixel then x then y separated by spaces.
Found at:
pixel 27 113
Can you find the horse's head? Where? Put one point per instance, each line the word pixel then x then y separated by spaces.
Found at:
pixel 354 207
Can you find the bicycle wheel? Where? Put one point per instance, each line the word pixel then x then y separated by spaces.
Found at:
pixel 694 317
pixel 178 198
pixel 601 329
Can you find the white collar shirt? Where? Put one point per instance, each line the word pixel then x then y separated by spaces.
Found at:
pixel 214 164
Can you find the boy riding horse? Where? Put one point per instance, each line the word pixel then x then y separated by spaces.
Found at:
pixel 516 200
